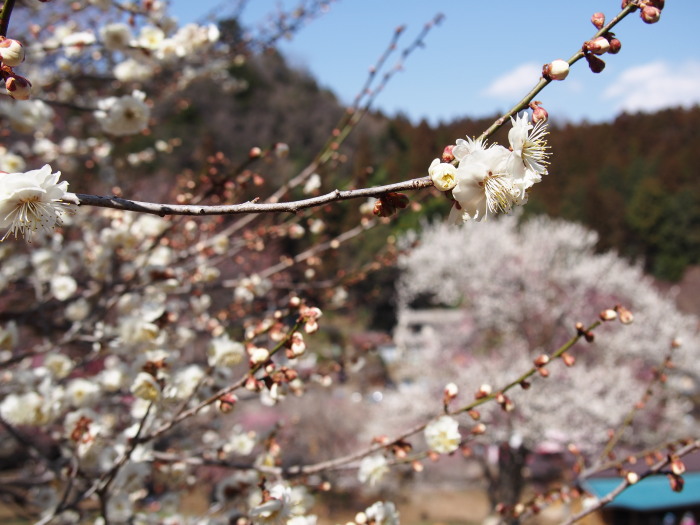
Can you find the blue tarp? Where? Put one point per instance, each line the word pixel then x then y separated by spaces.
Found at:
pixel 652 493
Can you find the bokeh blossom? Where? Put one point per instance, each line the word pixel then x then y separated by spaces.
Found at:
pixel 442 435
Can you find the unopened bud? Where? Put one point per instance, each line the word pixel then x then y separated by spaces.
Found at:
pixel 632 478
pixel 258 356
pixel 447 155
pixel 294 302
pixel 624 314
pixel 524 384
pixel 595 64
pixel 484 391
pixel 556 70
pixel 597 46
pixel 11 52
pixel 541 360
pixel 254 152
pixel 543 372
pixel 539 114
pixel 227 402
pixel 676 482
pixel 449 393
pixel 598 20
pixel 417 466
pixel 478 429
pixel 474 414
pixel 615 46
pixel 625 3
pixel 281 150
pixel 608 315
pixel 650 14
pixel 677 466
pixel 568 359
pixel 589 337
pixel 19 87
pixel 252 384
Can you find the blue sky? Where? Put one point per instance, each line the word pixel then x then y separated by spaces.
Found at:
pixel 486 55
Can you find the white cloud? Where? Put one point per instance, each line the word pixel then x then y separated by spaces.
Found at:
pixel 516 83
pixel 655 86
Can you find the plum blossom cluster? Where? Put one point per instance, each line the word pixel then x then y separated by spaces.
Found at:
pixel 487 180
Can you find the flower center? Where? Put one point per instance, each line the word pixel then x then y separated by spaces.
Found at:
pixel 499 191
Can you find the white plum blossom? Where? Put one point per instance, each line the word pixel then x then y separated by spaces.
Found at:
pixel 116 37
pixel 382 513
pixel 492 180
pixel 443 175
pixel 485 186
pixel 131 70
pixel 276 510
pixel 223 351
pixel 145 387
pixel 11 162
pixel 63 286
pixel 442 435
pixel 529 148
pixel 150 37
pixel 82 392
pixel 31 201
pixel 372 469
pixel 125 115
pixel 29 408
pixel 241 443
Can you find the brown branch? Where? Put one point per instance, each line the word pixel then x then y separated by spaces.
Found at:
pixel 246 207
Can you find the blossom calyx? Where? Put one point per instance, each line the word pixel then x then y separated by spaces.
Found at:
pixel 19 87
pixel 389 203
pixel 556 70
pixel 11 52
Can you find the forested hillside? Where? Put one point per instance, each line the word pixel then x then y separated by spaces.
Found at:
pixel 640 191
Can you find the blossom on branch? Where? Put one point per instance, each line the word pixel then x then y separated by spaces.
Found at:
pixel 442 435
pixel 372 469
pixel 492 180
pixel 276 510
pixel 31 201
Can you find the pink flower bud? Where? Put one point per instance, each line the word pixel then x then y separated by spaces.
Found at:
pixel 11 52
pixel 556 70
pixel 650 14
pixel 626 317
pixel 608 315
pixel 598 20
pixel 595 64
pixel 541 360
pixel 539 114
pixel 597 46
pixel 615 46
pixel 227 403
pixel 19 87
pixel 447 155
